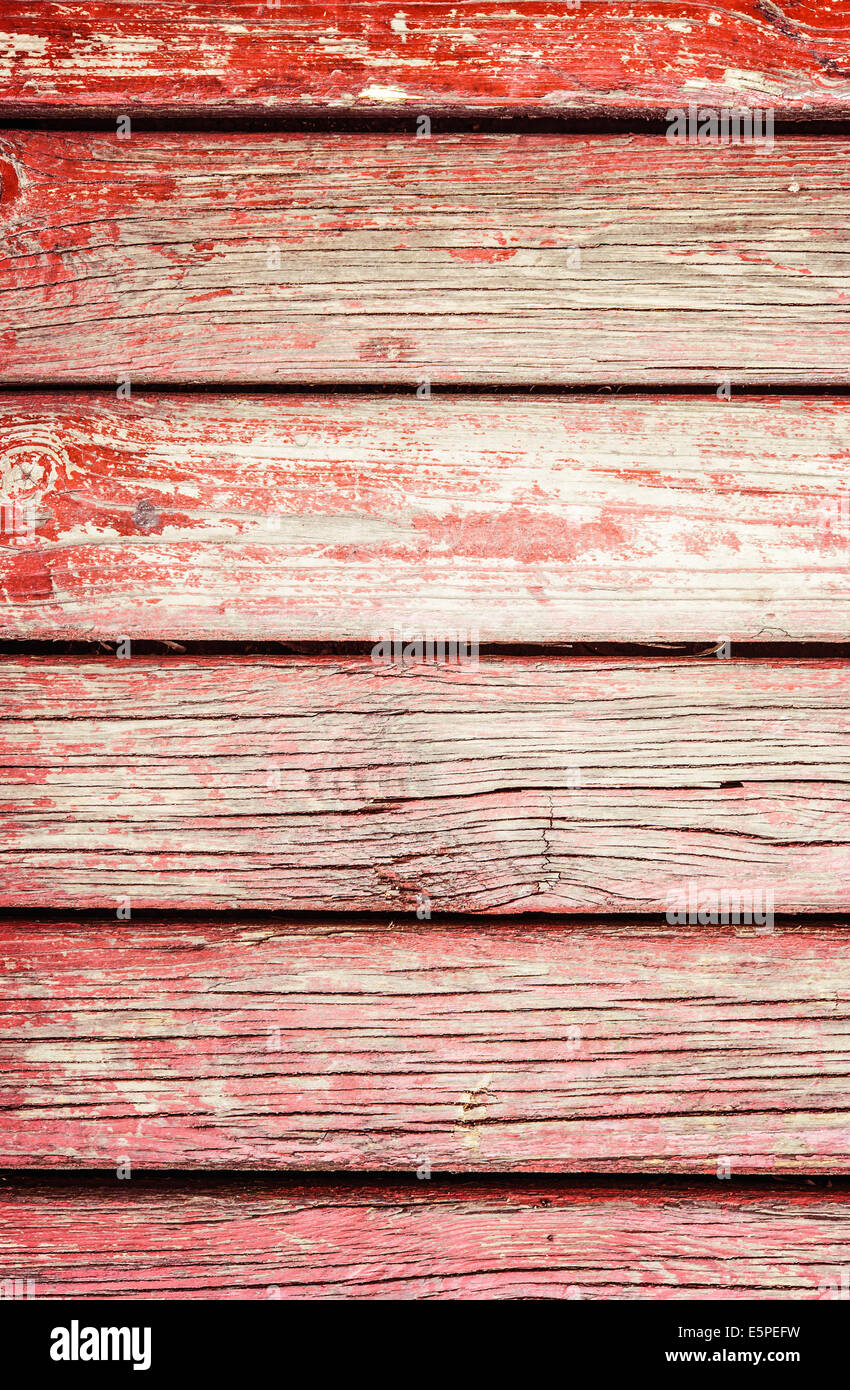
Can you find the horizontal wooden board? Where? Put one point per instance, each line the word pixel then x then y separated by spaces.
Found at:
pixel 461 258
pixel 425 1240
pixel 280 57
pixel 485 1048
pixel 346 784
pixel 347 517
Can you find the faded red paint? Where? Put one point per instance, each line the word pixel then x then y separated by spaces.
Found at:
pixel 332 516
pixel 523 535
pixel 564 1046
pixel 441 1239
pixel 581 1048
pixel 177 284
pixel 509 787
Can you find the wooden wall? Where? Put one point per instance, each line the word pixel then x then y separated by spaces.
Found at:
pixel 334 964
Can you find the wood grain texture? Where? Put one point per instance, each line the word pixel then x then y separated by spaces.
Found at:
pixel 596 56
pixel 426 1240
pixel 462 258
pixel 344 785
pixel 347 517
pixel 485 1048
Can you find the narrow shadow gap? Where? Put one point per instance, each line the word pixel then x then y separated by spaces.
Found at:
pixel 188 650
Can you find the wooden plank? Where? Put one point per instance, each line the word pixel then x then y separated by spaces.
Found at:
pixel 243 55
pixel 384 259
pixel 347 784
pixel 473 1048
pixel 425 1240
pixel 346 517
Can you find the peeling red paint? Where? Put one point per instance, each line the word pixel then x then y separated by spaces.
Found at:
pixel 489 255
pixel 298 243
pixel 532 788
pixel 530 55
pixel 296 1049
pixel 316 515
pixel 9 182
pixel 428 1240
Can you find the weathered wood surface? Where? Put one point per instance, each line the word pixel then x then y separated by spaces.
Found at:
pixel 337 784
pixel 425 1240
pixel 385 259
pixel 343 517
pixel 246 55
pixel 469 1048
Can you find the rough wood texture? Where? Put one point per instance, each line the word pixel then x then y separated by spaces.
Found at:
pixel 463 258
pixel 426 1240
pixel 489 1049
pixel 246 55
pixel 347 785
pixel 339 517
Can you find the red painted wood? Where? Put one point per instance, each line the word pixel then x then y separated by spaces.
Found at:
pixel 339 517
pixel 425 1240
pixel 463 259
pixel 244 55
pixel 347 785
pixel 260 259
pixel 470 1048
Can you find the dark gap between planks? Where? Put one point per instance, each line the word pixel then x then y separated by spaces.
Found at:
pixel 323 390
pixel 181 1182
pixel 297 921
pixel 164 648
pixel 445 120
